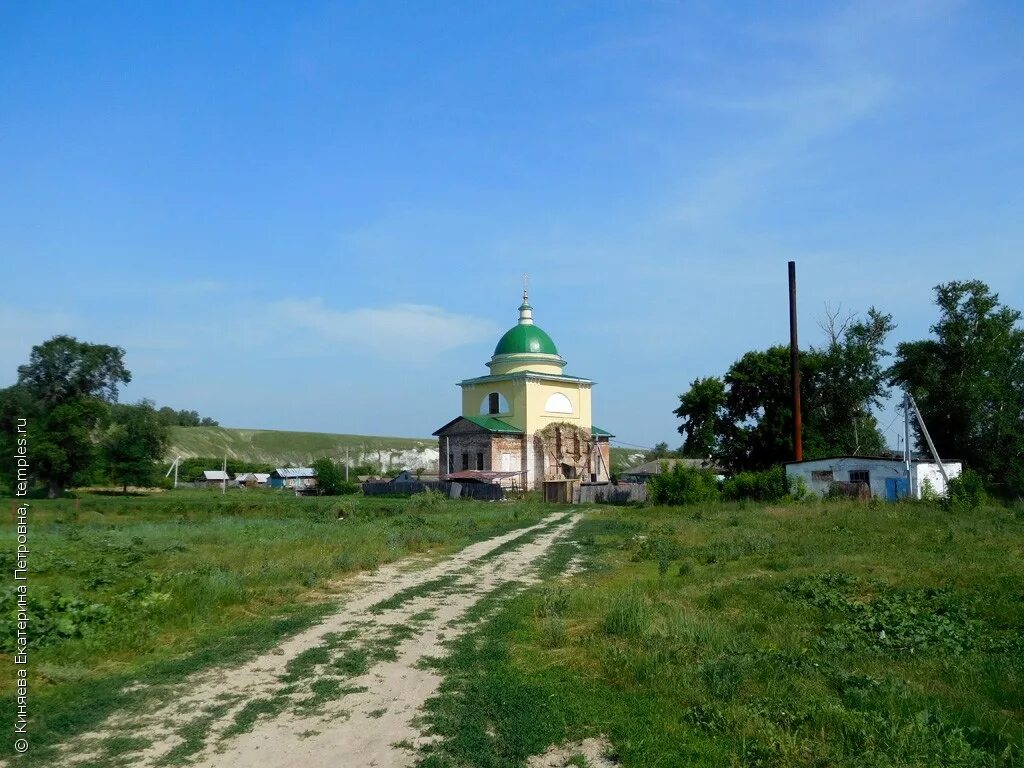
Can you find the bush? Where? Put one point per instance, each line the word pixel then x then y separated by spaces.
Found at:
pixel 966 492
pixel 426 501
pixel 330 479
pixel 682 485
pixel 769 485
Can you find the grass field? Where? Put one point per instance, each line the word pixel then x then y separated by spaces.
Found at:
pixel 803 635
pixel 808 634
pixel 152 588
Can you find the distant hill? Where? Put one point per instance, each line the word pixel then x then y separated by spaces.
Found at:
pixel 284 448
pixel 292 448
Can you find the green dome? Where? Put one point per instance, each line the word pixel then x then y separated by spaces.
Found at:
pixel 525 340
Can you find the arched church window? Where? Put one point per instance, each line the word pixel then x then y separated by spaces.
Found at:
pixel 558 403
pixel 493 404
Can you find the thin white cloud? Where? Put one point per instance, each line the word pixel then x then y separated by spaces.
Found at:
pixel 805 116
pixel 399 330
pixel 846 72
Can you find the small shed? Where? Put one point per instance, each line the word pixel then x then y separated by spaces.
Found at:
pixel 411 476
pixel 214 478
pixel 297 478
pixel 483 476
pixel 252 479
pixel 885 477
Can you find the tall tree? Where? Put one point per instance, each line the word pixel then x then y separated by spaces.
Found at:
pixel 968 382
pixel 744 419
pixel 847 382
pixel 133 443
pixel 64 368
pixel 67 386
pixel 701 409
pixel 63 442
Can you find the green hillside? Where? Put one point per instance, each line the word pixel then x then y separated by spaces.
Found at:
pixel 291 448
pixel 284 448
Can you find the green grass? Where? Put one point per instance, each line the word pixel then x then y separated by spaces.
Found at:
pixel 803 635
pixel 289 448
pixel 152 589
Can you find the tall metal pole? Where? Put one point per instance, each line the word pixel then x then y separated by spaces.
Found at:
pixel 908 454
pixel 794 366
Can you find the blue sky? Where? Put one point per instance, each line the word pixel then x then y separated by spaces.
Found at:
pixel 315 216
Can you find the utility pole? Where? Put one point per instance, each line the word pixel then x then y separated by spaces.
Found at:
pixel 224 480
pixel 794 367
pixel 907 455
pixel 174 468
pixel 346 464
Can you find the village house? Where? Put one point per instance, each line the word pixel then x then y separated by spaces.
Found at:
pixel 252 479
pixel 297 478
pixel 526 422
pixel 885 478
pixel 214 478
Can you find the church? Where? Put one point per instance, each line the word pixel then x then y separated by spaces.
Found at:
pixel 525 422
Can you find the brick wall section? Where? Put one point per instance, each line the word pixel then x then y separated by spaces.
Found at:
pixel 512 444
pixel 466 437
pixel 605 447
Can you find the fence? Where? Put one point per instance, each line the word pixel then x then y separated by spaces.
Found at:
pixel 606 493
pixel 479 491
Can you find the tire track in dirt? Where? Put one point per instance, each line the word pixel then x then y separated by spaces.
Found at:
pixel 345 692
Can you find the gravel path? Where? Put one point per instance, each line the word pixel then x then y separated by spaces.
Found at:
pixel 345 692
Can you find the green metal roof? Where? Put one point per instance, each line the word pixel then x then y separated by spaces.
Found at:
pixel 525 375
pixel 598 432
pixel 492 424
pixel 488 423
pixel 525 339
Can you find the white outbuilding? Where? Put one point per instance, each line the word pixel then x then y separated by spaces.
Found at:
pixel 887 478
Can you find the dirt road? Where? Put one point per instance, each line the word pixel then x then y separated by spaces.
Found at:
pixel 345 692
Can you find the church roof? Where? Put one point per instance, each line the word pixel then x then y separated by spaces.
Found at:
pixel 488 423
pixel 526 375
pixel 525 339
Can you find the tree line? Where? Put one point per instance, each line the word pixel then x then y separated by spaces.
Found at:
pixel 967 379
pixel 78 434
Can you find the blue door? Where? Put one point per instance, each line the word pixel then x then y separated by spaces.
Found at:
pixel 895 488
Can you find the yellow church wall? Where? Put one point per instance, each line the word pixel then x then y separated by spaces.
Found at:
pixel 539 391
pixel 527 399
pixel 473 396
